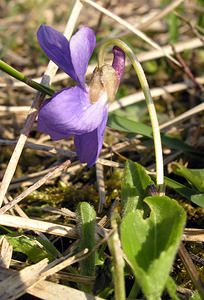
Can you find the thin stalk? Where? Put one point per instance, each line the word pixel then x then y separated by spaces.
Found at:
pixel 114 245
pixel 150 104
pixel 18 75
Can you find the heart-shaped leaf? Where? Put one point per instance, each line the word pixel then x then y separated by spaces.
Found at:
pixel 150 244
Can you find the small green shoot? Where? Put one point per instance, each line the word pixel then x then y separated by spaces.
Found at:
pixel 86 223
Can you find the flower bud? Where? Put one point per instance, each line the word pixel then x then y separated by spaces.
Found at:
pixel 118 61
pixel 107 78
pixel 104 79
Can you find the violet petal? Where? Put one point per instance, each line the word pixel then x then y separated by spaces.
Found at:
pixel 57 48
pixel 82 45
pixel 70 112
pixel 89 145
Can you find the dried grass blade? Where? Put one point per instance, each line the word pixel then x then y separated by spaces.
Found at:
pixel 35 186
pixel 136 31
pixel 46 79
pixel 162 13
pixel 5 253
pixel 191 269
pixel 15 285
pixel 49 290
pixel 37 225
pixel 101 186
pixel 155 92
pixel 44 289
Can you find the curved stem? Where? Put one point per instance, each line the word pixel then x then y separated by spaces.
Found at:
pixel 150 104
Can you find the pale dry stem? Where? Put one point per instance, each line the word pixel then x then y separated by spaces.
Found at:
pixel 101 186
pixel 37 225
pixel 127 25
pixel 35 186
pixel 191 269
pixel 46 79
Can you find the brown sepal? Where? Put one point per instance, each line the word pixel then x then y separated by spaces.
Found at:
pixel 103 80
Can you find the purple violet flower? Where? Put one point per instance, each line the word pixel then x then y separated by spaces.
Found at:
pixel 74 111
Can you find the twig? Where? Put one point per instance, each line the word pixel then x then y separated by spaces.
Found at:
pixel 37 225
pixel 13 109
pixel 160 15
pixel 41 147
pixel 181 46
pixel 5 253
pixel 21 213
pixel 191 269
pixel 124 102
pixel 195 110
pixel 197 259
pixel 107 5
pixel 142 57
pixel 193 235
pixel 15 285
pixel 155 92
pixel 127 25
pixel 187 70
pixel 30 177
pixel 110 163
pixel 66 261
pixel 194 30
pixel 60 263
pixel 35 186
pixel 101 186
pixel 44 289
pixel 46 79
pixel 26 181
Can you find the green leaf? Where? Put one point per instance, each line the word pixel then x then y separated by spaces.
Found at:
pixel 134 186
pixel 123 124
pixel 195 296
pixel 177 144
pixel 171 288
pixel 150 245
pixel 173 23
pixel 193 176
pixel 201 16
pixel 198 199
pixel 86 223
pixel 30 246
pixel 179 188
pixel 184 191
pixel 49 247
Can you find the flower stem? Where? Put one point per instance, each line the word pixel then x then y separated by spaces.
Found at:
pixel 150 104
pixel 18 75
